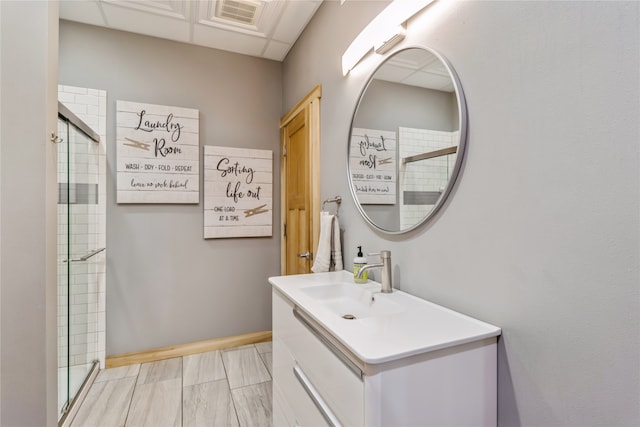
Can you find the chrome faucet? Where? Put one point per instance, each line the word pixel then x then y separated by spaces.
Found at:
pixel 385 265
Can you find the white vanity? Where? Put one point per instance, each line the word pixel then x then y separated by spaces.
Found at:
pixel 346 354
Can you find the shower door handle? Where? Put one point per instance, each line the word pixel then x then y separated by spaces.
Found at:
pixel 87 256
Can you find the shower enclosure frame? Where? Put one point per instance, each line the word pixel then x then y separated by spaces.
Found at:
pixel 75 190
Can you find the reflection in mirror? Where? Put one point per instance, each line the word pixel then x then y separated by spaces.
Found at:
pixel 407 140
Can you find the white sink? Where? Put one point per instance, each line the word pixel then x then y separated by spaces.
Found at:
pixel 351 301
pixel 337 290
pixel 384 327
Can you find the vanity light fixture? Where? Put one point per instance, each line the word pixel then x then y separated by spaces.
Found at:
pixel 383 32
pixel 392 37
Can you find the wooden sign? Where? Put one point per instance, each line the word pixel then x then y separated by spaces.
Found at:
pixel 373 165
pixel 238 192
pixel 157 154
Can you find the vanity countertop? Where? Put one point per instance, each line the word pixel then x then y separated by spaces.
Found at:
pixel 386 327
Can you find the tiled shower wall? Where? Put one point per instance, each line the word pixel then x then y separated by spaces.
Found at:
pixel 424 180
pixel 88 222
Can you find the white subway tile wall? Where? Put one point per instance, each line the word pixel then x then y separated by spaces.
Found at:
pixel 87 196
pixel 424 176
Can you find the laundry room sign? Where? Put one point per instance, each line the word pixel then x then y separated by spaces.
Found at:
pixel 238 192
pixel 157 154
pixel 373 166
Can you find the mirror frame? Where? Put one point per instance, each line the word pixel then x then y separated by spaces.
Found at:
pixel 462 144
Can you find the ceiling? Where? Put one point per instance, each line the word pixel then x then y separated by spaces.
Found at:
pixel 261 28
pixel 416 67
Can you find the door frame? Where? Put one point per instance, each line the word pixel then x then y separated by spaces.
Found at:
pixel 310 104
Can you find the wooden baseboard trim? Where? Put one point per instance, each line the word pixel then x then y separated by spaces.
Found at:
pixel 186 349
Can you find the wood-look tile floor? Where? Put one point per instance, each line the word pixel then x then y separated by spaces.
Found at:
pixel 229 387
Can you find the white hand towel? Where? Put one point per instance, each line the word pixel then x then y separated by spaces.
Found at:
pixel 336 245
pixel 329 252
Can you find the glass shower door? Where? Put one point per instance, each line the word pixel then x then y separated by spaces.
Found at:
pixel 78 250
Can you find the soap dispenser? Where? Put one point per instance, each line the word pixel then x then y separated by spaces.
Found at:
pixel 360 261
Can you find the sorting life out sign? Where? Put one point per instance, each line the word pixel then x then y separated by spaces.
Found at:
pixel 238 192
pixel 373 165
pixel 157 154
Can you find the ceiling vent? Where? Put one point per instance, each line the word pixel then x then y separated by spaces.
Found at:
pixel 239 11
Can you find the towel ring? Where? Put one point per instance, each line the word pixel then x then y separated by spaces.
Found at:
pixel 337 200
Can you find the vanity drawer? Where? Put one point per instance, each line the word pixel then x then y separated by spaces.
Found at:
pixel 335 382
pixel 292 406
pixel 282 413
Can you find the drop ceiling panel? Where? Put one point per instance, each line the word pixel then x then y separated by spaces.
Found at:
pixel 276 50
pixel 277 25
pixel 156 24
pixel 393 74
pixel 295 18
pixel 429 80
pixel 228 40
pixel 166 8
pixel 82 11
pixel 416 69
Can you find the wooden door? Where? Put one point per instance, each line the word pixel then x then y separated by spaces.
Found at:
pixel 300 184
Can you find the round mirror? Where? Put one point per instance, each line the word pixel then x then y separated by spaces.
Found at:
pixel 407 140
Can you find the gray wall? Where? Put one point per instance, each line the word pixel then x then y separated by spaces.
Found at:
pixel 386 105
pixel 166 285
pixel 541 234
pixel 28 196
